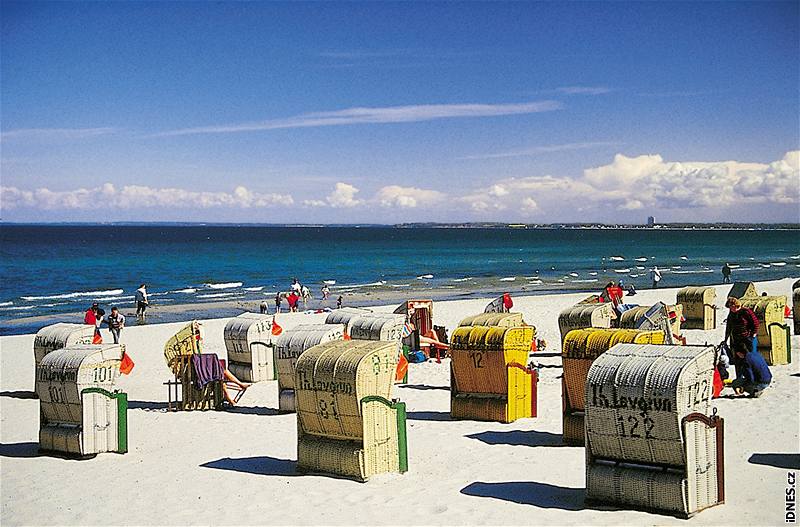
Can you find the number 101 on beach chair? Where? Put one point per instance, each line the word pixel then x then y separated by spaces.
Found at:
pixel 80 412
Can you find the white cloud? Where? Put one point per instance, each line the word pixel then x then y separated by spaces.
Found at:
pixel 407 197
pixel 498 191
pixel 378 115
pixel 55 133
pixel 583 90
pixel 107 196
pixel 544 149
pixel 343 196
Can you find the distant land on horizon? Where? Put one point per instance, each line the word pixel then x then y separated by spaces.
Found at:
pixel 434 225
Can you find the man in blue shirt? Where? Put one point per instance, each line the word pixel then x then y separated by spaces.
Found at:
pixel 752 373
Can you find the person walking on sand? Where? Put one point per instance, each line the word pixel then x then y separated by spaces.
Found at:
pixel 263 307
pixel 141 300
pixel 278 299
pixel 326 291
pixel 296 287
pixel 726 273
pixel 292 300
pixel 656 276
pixel 115 321
pixel 305 294
pixel 93 317
pixel 339 302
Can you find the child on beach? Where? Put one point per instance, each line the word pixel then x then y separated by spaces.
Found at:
pixel 752 373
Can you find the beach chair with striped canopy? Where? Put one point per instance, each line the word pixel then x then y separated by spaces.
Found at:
pixel 650 443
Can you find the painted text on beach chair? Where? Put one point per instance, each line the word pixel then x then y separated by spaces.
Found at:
pixel 656 317
pixel 57 336
pixel 288 348
pixel 774 337
pixel 346 422
pixel 489 379
pixel 248 343
pixel 178 353
pixel 649 441
pixel 699 307
pixel 80 412
pixel 581 347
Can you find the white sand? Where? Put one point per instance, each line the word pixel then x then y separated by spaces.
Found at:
pixel 238 467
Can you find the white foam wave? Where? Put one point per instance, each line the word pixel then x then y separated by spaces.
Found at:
pixel 641 259
pixel 399 285
pixel 253 288
pixel 634 275
pixel 355 286
pixel 508 279
pixel 593 273
pixel 622 271
pixel 574 275
pixel 795 257
pixel 18 308
pixel 108 292
pixel 187 290
pixel 3 304
pixel 329 282
pixel 684 257
pixel 217 295
pixel 425 277
pixel 226 285
pixel 536 282
pixel 108 298
pixel 640 267
pixel 584 281
pixel 778 264
pixel 617 258
pixel 462 279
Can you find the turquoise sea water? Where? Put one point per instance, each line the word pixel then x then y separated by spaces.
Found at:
pixel 60 269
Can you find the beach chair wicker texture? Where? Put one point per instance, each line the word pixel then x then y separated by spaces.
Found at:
pixel 506 320
pixel 796 310
pixel 178 352
pixel 347 424
pixel 652 318
pixel 774 337
pixel 248 339
pixel 288 348
pixel 57 336
pixel 742 289
pixel 582 316
pixel 649 442
pixel 489 377
pixel 581 348
pixel 377 326
pixel 344 314
pixel 80 412
pixel 699 307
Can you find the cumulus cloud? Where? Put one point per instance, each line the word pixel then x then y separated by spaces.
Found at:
pixel 107 196
pixel 343 196
pixel 407 197
pixel 377 115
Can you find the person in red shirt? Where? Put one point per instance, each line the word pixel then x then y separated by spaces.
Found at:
pixel 507 302
pixel 292 299
pixel 90 317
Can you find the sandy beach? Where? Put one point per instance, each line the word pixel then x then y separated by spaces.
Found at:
pixel 238 466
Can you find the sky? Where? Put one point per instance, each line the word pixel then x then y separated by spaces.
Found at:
pixel 382 112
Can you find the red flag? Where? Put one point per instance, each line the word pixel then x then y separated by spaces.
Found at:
pixel 126 365
pixel 276 329
pixel 402 368
pixel 98 338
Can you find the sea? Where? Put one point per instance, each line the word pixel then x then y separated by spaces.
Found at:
pixel 56 271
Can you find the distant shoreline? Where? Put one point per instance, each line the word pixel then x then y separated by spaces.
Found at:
pixel 466 225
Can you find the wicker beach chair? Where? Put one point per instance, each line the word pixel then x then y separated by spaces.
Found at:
pixel 178 352
pixel 774 337
pixel 80 411
pixel 248 341
pixel 343 315
pixel 288 348
pixel 505 320
pixel 588 315
pixel 796 309
pixel 57 336
pixel 650 443
pixel 742 289
pixel 699 307
pixel 581 348
pixel 489 380
pixel 347 424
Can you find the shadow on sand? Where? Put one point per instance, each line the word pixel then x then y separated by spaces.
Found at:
pixel 519 438
pixel 533 493
pixel 788 461
pixel 260 465
pixel 429 416
pixel 19 394
pixel 19 450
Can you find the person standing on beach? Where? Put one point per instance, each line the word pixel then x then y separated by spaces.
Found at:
pixel 296 287
pixel 656 276
pixel 263 307
pixel 326 291
pixel 292 299
pixel 741 326
pixel 278 298
pixel 141 300
pixel 92 317
pixel 726 274
pixel 115 321
pixel 305 294
pixel 339 301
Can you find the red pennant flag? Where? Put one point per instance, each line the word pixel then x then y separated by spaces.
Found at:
pixel 276 329
pixel 402 368
pixel 98 338
pixel 126 365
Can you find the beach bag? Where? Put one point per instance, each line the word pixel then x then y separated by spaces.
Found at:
pixel 417 356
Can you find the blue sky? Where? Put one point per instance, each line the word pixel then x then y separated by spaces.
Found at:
pixel 389 112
